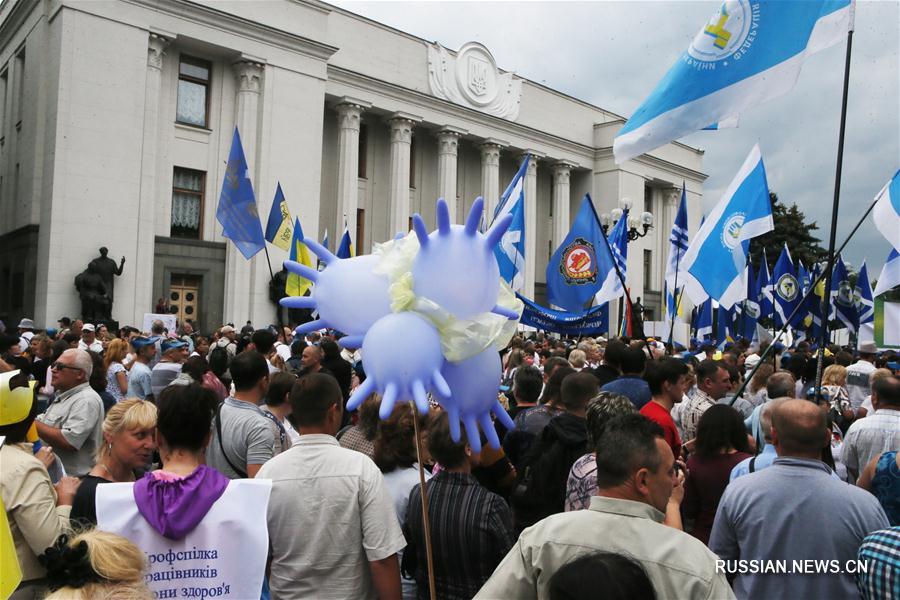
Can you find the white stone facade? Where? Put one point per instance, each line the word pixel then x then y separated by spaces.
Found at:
pixel 89 94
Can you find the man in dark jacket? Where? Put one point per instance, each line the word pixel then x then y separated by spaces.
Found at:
pixel 541 489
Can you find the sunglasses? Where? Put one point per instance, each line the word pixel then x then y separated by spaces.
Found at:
pixel 58 366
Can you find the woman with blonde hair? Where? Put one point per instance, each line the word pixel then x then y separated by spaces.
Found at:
pixel 116 375
pixel 757 386
pixel 834 387
pixel 95 564
pixel 129 440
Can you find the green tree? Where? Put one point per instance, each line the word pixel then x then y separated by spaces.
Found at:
pixel 792 228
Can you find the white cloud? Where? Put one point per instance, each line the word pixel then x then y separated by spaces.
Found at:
pixel 613 53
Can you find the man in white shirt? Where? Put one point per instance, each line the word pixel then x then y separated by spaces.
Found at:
pixel 876 433
pixel 333 531
pixel 858 384
pixel 89 339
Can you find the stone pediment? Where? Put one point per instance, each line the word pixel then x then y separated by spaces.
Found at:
pixel 471 79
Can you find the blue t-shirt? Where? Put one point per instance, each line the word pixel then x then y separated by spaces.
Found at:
pixel 886 486
pixel 139 381
pixel 634 388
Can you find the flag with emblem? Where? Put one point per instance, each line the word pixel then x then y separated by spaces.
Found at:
pixel 843 306
pixel 237 212
pixel 865 304
pixel 278 227
pixel 786 290
pixel 572 273
pixel 746 53
pixel 716 259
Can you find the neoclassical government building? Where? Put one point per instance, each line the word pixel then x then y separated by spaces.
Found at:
pixel 116 122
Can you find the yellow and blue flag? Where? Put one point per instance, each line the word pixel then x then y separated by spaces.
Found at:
pixel 237 204
pixel 297 285
pixel 345 249
pixel 278 227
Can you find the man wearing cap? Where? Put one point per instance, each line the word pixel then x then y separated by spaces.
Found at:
pixel 73 423
pixel 858 384
pixel 89 339
pixel 26 332
pixel 226 341
pixel 174 353
pixel 139 375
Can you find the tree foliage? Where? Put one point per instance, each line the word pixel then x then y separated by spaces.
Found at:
pixel 792 228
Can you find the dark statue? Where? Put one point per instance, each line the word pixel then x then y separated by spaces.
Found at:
pixel 106 268
pixel 95 302
pixel 277 291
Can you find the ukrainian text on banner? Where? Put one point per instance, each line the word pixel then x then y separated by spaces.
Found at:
pixel 224 556
pixel 593 322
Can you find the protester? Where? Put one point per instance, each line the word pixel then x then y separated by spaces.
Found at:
pixel 395 455
pixel 631 383
pixel 666 380
pixel 311 361
pixel 95 564
pixel 242 438
pixel 89 339
pixel 880 431
pixel 129 440
pixel 581 484
pixel 635 475
pixel 222 352
pixel 768 454
pixel 361 437
pixel 332 527
pixel 72 424
pixel 186 506
pixel 264 343
pixel 541 486
pixel 880 552
pixel 526 389
pixel 277 407
pixel 140 375
pixel 610 366
pixel 116 375
pixel 721 444
pixel 755 520
pixel 471 528
pixel 333 363
pixel 36 510
pixel 531 422
pixel 601 574
pixel 780 385
pixel 713 382
pixel 757 387
pixel 174 353
pixel 881 477
pixel 858 373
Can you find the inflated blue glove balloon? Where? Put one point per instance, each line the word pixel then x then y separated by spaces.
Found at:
pixel 455 266
pixel 348 294
pixel 474 385
pixel 402 357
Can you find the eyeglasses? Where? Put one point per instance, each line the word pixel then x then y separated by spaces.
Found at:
pixel 58 366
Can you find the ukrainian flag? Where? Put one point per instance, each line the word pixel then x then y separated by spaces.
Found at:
pixel 296 285
pixel 278 226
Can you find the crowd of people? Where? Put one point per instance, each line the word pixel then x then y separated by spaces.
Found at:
pixel 633 470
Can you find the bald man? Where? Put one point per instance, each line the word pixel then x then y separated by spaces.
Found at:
pixel 794 511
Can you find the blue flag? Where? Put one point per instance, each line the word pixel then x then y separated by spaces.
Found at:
pixel 278 227
pixel 747 53
pixel 573 270
pixel 724 326
pixel 510 252
pixel 608 257
pixel 678 245
pixel 703 321
pixel 345 248
pixel 715 262
pixel 751 305
pixel 787 290
pixel 766 297
pixel 865 302
pixel 237 205
pixel 843 308
pixel 890 274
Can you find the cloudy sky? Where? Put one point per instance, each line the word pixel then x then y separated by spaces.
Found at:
pixel 612 54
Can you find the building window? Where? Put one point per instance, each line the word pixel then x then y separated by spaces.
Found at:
pixel 193 91
pixel 412 162
pixel 4 83
pixel 360 230
pixel 648 263
pixel 648 199
pixel 363 150
pixel 20 86
pixel 187 203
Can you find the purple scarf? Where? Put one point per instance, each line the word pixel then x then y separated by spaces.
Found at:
pixel 174 507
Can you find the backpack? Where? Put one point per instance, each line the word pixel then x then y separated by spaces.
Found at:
pixel 219 359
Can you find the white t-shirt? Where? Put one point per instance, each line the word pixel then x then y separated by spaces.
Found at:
pixel 858 386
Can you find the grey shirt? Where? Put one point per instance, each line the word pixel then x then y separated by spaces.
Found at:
pixel 78 413
pixel 792 511
pixel 247 438
pixel 162 375
pixel 139 381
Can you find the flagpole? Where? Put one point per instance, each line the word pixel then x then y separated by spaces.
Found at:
pixel 826 299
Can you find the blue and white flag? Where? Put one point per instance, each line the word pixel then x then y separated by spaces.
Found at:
pixel 678 244
pixel 766 293
pixel 510 252
pixel 724 326
pixel 887 211
pixel 843 307
pixel 237 210
pixel 751 305
pixel 786 290
pixel 573 275
pixel 750 51
pixel 609 256
pixel 703 321
pixel 890 274
pixel 865 302
pixel 715 261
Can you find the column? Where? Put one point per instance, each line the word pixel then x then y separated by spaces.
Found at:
pixel 239 272
pixel 530 221
pixel 490 175
pixel 448 145
pixel 561 202
pixel 142 264
pixel 401 138
pixel 349 114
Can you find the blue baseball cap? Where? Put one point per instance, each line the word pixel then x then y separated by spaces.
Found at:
pixel 172 345
pixel 141 342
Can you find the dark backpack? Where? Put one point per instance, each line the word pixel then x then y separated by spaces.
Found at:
pixel 219 360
